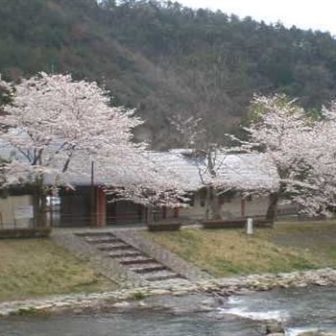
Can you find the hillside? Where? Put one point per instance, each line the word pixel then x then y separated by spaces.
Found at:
pixel 165 59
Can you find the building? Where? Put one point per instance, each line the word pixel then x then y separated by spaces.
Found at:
pixel 247 178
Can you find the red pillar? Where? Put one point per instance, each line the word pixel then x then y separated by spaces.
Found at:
pixel 101 208
pixel 176 212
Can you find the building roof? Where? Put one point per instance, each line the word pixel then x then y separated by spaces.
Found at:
pixel 233 171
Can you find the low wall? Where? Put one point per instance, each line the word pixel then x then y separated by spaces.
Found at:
pixel 164 226
pixel 238 223
pixel 25 233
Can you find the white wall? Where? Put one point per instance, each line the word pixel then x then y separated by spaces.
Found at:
pixel 197 211
pixel 256 206
pixel 16 211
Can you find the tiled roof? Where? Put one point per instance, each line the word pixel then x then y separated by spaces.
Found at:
pixel 240 171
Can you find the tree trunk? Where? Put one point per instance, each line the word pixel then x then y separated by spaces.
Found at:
pixel 213 207
pixel 39 204
pixel 272 206
pixel 149 218
pixel 207 203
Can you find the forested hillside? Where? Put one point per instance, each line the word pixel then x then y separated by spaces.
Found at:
pixel 165 59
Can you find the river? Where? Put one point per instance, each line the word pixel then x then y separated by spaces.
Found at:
pixel 194 315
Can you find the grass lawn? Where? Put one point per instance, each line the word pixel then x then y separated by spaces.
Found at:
pixel 288 247
pixel 38 267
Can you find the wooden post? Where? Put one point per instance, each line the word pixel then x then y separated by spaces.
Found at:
pixel 93 198
pixel 101 208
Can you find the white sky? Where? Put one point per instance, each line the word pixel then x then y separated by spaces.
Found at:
pixel 318 15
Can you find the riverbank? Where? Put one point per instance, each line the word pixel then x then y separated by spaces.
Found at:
pixel 288 247
pixel 222 288
pixel 38 268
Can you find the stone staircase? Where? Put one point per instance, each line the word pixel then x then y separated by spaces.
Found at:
pixel 130 257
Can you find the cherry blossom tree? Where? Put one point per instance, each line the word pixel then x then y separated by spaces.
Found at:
pixel 5 93
pixel 317 194
pixel 283 131
pixel 56 126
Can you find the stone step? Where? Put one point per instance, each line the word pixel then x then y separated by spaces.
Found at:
pixel 130 257
pixel 103 239
pixel 94 234
pixel 153 267
pixel 163 276
pixel 125 253
pixel 112 247
pixel 137 260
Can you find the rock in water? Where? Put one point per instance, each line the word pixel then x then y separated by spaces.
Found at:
pixel 273 327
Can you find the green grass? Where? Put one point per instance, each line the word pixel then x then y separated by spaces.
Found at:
pixel 30 268
pixel 288 247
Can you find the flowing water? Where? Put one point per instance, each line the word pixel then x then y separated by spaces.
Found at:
pixel 193 315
